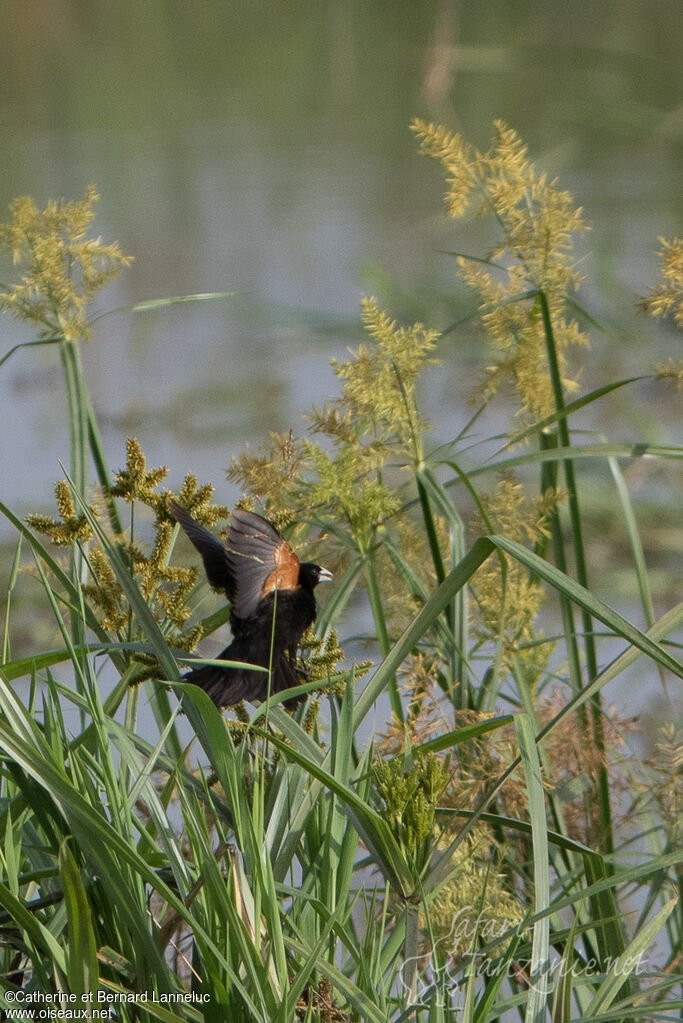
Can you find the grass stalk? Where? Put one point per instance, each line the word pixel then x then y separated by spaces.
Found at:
pixel 605 836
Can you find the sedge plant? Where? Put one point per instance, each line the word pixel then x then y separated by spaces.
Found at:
pixel 467 862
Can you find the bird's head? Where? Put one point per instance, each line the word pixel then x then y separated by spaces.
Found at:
pixel 311 574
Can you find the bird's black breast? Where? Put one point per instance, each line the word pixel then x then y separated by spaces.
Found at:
pixel 272 604
pixel 292 610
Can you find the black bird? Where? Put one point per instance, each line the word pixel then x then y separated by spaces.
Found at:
pixel 261 576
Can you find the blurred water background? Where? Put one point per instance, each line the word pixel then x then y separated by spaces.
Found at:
pixel 263 148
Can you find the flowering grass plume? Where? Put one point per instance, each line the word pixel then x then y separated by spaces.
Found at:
pixel 538 222
pixel 165 587
pixel 507 601
pixel 63 268
pixel 666 299
pixel 375 421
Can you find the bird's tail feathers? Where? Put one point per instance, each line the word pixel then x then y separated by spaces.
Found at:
pixel 227 686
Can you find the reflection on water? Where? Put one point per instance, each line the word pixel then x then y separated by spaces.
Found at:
pixel 267 151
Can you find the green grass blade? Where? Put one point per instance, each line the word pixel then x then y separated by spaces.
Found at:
pixel 621 966
pixel 561 1010
pixel 464 734
pixel 364 1006
pixel 635 543
pixel 574 406
pixel 153 304
pixel 605 917
pixel 539 966
pixel 421 624
pixel 26 665
pixel 593 605
pixel 382 632
pixel 108 850
pixel 101 467
pixel 372 828
pixel 82 946
pixel 34 929
pixel 29 344
pixel 636 449
pixel 137 602
pixel 11 583
pixel 163 303
pixel 56 570
pixel 485 1006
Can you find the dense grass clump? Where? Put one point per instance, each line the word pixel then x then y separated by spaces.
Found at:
pixel 495 850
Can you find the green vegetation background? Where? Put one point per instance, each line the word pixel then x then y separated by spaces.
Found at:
pixel 496 849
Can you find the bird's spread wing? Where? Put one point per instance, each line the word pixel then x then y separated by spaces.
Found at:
pixel 213 552
pixel 259 560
